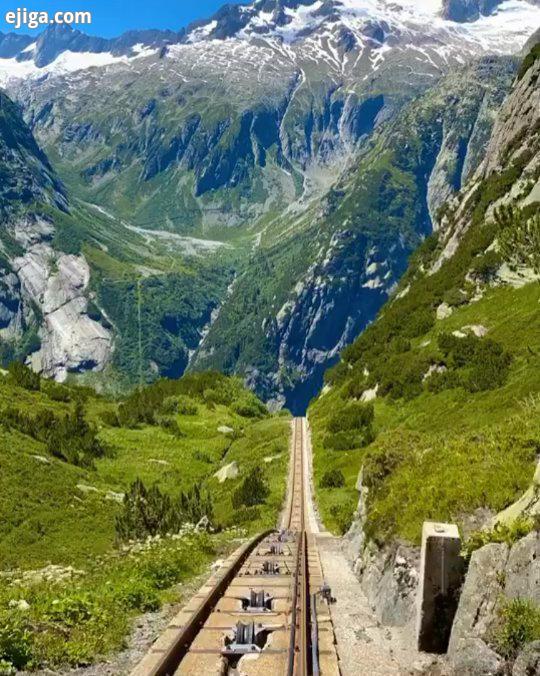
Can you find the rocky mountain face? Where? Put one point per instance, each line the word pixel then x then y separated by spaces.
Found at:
pixel 309 295
pixel 43 300
pixel 294 88
pixel 513 154
pixel 468 10
pixel 60 38
pixel 244 132
pixel 26 172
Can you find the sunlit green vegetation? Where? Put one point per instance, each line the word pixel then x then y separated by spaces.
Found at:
pixel 111 489
pixel 518 624
pixel 66 616
pixel 454 421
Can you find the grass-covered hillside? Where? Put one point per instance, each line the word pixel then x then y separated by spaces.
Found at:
pixel 439 399
pixel 98 499
pixel 446 448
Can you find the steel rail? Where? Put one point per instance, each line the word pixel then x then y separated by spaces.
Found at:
pixel 298 663
pixel 314 637
pixel 294 616
pixel 178 650
pixel 303 654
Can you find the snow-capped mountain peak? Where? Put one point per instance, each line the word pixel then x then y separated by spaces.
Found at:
pixel 60 49
pixel 294 19
pixel 349 36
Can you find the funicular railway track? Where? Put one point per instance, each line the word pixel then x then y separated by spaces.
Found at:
pixel 262 612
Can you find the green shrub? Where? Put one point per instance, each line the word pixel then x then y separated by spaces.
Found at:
pixel 70 437
pixel 169 424
pixel 212 396
pixel 529 61
pixel 243 515
pixel 250 408
pixel 490 367
pixel 22 376
pixel 346 441
pixel 356 386
pixel 179 404
pixel 109 417
pixel 74 440
pixel 497 185
pixel 519 237
pixel 252 491
pixel 424 253
pixel 455 297
pixel 170 405
pixel 340 371
pixel 6 668
pixel 457 351
pixel 380 463
pixel 501 533
pixel 343 516
pixel 181 396
pixel 418 322
pixel 485 267
pixel 162 572
pixel 148 511
pixel 444 380
pixel 332 478
pixel 138 594
pixel 476 363
pixel 15 639
pixel 518 624
pixel 401 375
pixel 353 416
pixel 73 609
pixel 57 392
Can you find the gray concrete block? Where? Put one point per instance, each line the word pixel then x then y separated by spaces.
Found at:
pixel 441 574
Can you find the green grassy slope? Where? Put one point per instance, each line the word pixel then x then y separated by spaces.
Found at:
pixel 36 488
pixel 60 514
pixel 441 455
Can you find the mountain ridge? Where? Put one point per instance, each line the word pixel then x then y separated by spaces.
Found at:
pixel 290 21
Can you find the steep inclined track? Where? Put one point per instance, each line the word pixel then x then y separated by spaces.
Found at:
pixel 262 612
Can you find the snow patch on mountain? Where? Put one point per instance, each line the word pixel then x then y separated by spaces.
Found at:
pixel 31 48
pixel 512 20
pixel 356 36
pixel 203 32
pixel 67 62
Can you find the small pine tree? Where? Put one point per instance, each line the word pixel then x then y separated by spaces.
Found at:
pixel 74 440
pixel 332 478
pixel 148 511
pixel 252 491
pixel 519 237
pixel 22 376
